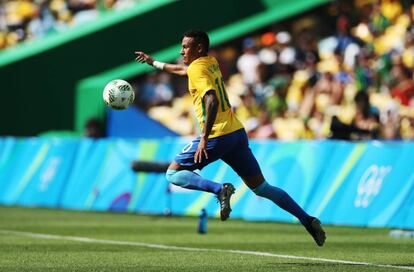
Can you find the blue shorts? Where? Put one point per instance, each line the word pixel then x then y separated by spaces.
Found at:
pixel 232 148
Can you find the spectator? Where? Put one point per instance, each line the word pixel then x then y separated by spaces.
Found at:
pixel 275 103
pixel 378 22
pixel 83 11
pixel 343 36
pixel 366 117
pixel 262 88
pixel 390 122
pixel 264 129
pixel 364 75
pixel 94 129
pixel 342 131
pixel 403 91
pixel 408 50
pixel 248 62
pixel 267 54
pixel 248 109
pixel 287 53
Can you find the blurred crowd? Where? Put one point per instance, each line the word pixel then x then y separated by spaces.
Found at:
pixel 22 20
pixel 344 74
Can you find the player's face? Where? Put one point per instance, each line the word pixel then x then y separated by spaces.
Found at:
pixel 189 50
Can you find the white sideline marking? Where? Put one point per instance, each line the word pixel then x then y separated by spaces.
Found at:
pixel 159 246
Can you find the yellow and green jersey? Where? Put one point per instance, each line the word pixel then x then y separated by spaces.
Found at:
pixel 203 75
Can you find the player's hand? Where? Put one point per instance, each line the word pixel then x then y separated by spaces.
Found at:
pixel 201 151
pixel 142 57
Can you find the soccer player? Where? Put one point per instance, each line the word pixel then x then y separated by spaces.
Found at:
pixel 222 137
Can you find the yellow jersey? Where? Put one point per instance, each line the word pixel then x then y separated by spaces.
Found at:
pixel 203 75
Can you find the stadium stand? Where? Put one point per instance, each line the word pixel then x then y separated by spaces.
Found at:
pixel 22 20
pixel 297 79
pixel 353 81
pixel 69 69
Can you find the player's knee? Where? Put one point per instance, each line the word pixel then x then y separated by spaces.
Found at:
pixel 169 175
pixel 259 190
pixel 175 177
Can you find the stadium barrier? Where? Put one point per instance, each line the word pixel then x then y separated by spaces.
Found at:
pixel 361 184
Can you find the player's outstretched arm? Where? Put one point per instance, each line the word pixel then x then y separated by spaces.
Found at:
pixel 177 69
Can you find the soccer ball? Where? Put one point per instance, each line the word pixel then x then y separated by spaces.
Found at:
pixel 118 94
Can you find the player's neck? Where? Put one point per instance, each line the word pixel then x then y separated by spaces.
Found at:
pixel 203 56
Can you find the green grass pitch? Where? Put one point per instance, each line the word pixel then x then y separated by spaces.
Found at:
pixel 33 239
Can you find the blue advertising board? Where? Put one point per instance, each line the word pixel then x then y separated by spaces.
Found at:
pixel 361 184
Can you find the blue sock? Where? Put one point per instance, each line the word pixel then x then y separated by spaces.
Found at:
pixel 190 180
pixel 283 200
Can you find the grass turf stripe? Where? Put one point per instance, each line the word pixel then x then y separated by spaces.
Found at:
pixel 193 249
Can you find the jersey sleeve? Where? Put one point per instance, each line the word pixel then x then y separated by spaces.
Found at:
pixel 201 79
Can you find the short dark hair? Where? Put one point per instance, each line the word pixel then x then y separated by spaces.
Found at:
pixel 199 36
